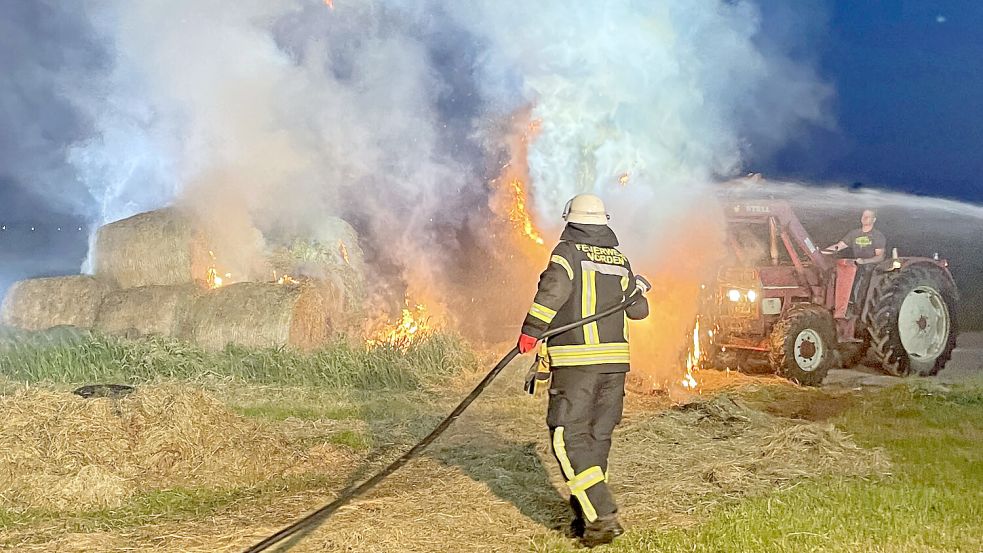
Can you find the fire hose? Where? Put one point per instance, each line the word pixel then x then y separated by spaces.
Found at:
pixel 318 517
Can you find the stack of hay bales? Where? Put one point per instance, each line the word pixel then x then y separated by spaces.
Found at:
pixel 151 279
pixel 157 261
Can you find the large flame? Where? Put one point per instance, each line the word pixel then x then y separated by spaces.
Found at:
pixel 518 215
pixel 412 324
pixel 684 257
pixel 511 200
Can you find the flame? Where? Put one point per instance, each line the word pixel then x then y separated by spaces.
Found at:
pixel 411 325
pixel 329 3
pixel 284 279
pixel 518 214
pixel 511 198
pixel 212 277
pixel 623 179
pixel 344 252
pixel 692 359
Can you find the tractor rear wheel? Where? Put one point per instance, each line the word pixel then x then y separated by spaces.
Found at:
pixel 912 320
pixel 803 345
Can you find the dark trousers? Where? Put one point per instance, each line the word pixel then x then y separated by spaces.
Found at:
pixel 584 408
pixel 860 280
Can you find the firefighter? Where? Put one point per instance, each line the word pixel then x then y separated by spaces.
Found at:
pixel 867 246
pixel 586 274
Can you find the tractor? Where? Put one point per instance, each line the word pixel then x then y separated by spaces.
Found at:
pixel 778 301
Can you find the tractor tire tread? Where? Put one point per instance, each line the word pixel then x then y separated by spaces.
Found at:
pixel 882 320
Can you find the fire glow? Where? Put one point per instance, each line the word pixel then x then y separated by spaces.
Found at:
pixel 343 251
pixel 410 326
pixel 212 277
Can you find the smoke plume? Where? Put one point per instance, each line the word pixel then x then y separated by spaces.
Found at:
pixel 266 117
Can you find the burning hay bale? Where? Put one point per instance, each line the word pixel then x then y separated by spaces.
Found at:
pixel 42 303
pixel 59 451
pixel 160 310
pixel 332 255
pixel 254 314
pixel 161 248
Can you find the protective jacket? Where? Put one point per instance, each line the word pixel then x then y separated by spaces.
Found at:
pixel 585 275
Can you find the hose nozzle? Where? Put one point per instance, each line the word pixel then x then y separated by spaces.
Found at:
pixel 642 284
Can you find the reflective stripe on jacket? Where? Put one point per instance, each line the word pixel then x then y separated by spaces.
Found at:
pixel 586 274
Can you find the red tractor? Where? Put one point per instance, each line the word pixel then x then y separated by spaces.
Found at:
pixel 779 299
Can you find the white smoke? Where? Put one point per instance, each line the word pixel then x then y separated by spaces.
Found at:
pixel 671 93
pixel 275 114
pixel 268 114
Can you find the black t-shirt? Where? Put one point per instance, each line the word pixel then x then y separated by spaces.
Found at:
pixel 864 244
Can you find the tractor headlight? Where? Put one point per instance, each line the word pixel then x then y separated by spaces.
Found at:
pixel 752 295
pixel 734 295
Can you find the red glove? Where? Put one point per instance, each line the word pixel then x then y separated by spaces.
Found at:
pixel 526 343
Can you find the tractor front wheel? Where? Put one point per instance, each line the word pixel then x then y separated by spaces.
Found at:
pixel 803 345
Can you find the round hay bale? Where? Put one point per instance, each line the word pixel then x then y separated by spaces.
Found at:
pixel 262 314
pixel 156 248
pixel 42 303
pixel 161 310
pixel 331 253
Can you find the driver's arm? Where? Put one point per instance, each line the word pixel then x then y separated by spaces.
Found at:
pixel 836 247
pixel 878 257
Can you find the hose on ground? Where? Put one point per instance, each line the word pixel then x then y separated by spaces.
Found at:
pixel 316 518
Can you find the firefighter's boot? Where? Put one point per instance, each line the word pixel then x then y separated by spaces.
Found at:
pixel 602 531
pixel 578 524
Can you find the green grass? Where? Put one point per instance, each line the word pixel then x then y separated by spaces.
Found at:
pixel 932 502
pixel 351 439
pixel 160 506
pixel 71 358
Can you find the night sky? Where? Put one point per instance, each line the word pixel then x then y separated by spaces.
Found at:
pixel 909 100
pixel 908 107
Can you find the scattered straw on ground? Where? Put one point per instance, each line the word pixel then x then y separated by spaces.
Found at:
pixel 61 452
pixel 490 484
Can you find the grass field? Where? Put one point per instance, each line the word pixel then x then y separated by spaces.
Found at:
pixel 933 501
pixel 781 469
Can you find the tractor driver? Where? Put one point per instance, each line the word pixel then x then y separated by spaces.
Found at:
pixel 867 245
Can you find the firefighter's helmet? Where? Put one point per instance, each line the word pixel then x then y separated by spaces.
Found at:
pixel 586 209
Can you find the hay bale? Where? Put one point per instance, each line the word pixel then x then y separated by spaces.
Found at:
pixel 156 248
pixel 259 314
pixel 330 254
pixel 161 310
pixel 42 303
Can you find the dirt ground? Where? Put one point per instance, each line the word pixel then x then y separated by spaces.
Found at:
pixel 966 364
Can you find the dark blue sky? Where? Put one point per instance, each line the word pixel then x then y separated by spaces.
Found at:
pixel 908 77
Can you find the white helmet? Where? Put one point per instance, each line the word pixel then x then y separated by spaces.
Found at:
pixel 586 209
